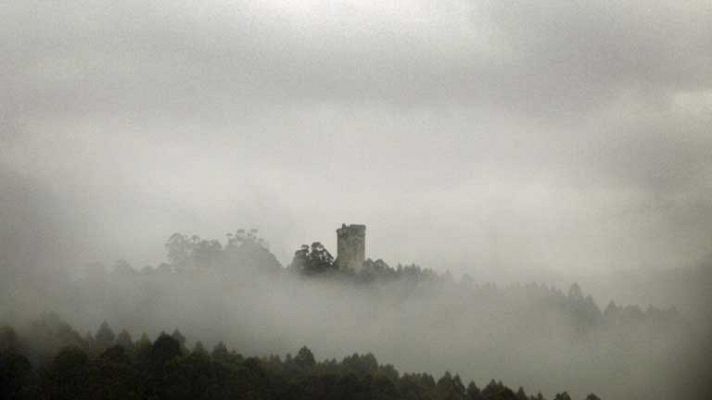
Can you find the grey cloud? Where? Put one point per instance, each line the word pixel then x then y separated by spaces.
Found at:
pixel 452 107
pixel 561 54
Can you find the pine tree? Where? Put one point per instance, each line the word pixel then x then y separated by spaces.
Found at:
pixel 104 336
pixel 124 340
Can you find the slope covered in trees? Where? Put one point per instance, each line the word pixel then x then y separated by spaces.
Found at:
pixel 537 336
pixel 53 361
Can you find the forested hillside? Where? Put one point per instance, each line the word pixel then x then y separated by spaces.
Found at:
pixel 56 362
pixel 531 335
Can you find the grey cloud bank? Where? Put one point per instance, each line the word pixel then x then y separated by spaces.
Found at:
pixel 571 137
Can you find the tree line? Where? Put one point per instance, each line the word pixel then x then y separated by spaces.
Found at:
pixel 54 361
pixel 244 251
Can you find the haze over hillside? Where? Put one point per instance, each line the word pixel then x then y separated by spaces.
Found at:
pixel 516 156
pixel 539 337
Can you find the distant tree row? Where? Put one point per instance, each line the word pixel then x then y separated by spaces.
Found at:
pixel 243 249
pixel 244 254
pixel 106 365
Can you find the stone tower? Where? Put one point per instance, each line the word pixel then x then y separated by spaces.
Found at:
pixel 351 246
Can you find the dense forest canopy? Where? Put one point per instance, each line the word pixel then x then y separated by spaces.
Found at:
pixel 56 362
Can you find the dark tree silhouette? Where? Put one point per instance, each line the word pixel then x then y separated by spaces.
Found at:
pixel 164 349
pixel 104 336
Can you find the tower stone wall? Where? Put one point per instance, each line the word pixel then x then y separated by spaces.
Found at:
pixel 351 246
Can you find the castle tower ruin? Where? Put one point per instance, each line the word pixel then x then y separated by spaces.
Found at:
pixel 351 246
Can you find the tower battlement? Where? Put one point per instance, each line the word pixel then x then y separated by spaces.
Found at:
pixel 351 246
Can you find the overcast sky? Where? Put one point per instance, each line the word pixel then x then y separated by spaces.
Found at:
pixel 470 135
